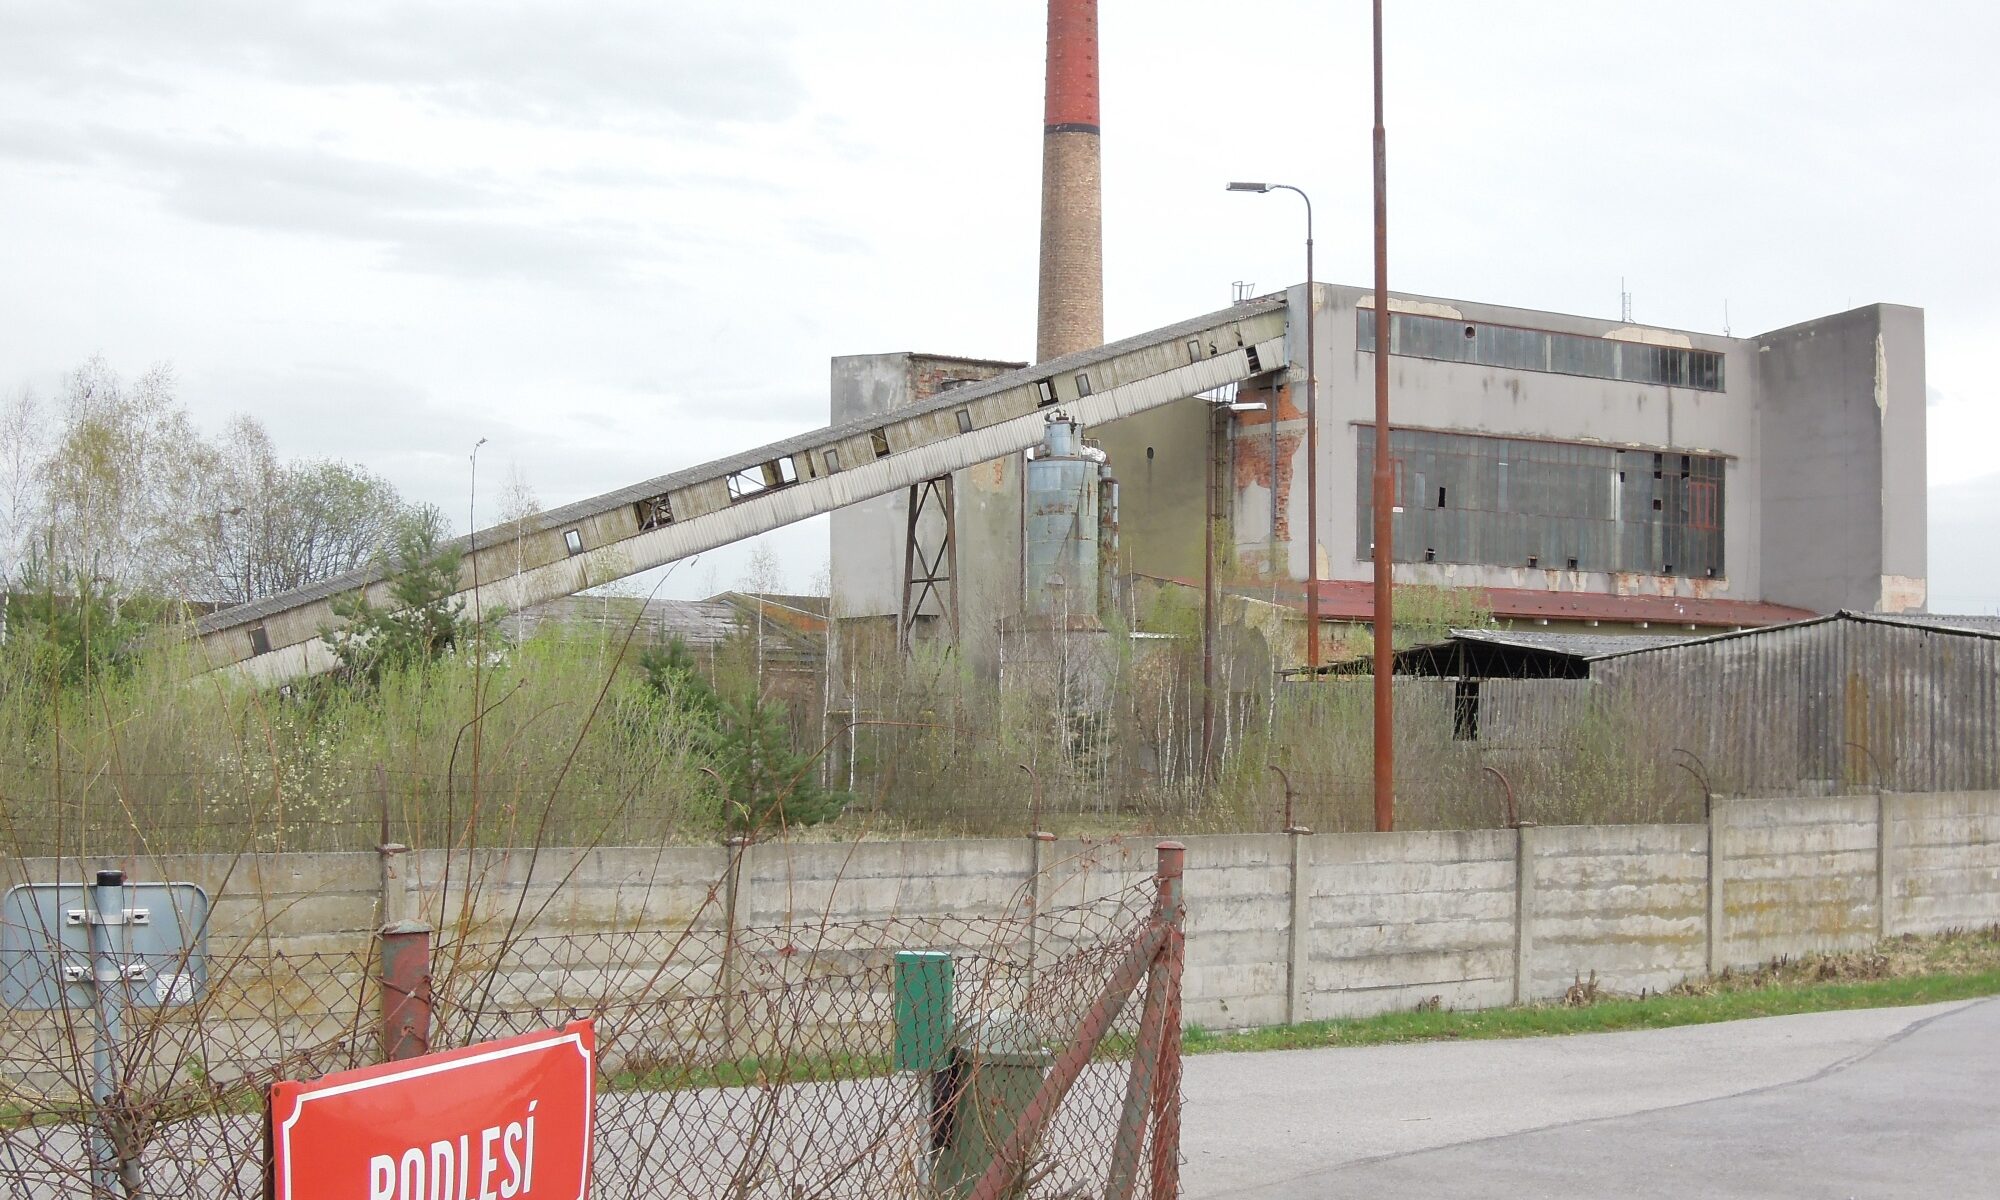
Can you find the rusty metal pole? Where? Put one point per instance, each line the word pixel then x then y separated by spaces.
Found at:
pixel 1171 911
pixel 405 948
pixel 1385 660
pixel 1312 458
pixel 1208 603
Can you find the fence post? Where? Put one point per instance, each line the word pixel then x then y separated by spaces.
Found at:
pixel 1299 944
pixel 1171 909
pixel 1524 912
pixel 1717 912
pixel 395 884
pixel 1885 864
pixel 405 950
pixel 1038 896
pixel 1149 1073
pixel 736 850
pixel 115 1163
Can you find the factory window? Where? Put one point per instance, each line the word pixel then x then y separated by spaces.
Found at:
pixel 965 420
pixel 764 477
pixel 1045 392
pixel 880 438
pixel 1562 503
pixel 1417 336
pixel 1701 505
pixel 1194 350
pixel 260 640
pixel 832 458
pixel 1082 385
pixel 1465 711
pixel 653 513
pixel 573 541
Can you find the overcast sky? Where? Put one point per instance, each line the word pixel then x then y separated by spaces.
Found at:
pixel 617 239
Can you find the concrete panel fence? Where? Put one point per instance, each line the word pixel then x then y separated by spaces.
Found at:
pixel 1280 928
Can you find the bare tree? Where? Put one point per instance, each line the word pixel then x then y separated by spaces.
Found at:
pixel 23 442
pixel 130 496
pixel 126 455
pixel 760 578
pixel 518 506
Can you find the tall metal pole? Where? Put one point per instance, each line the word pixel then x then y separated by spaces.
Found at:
pixel 1312 458
pixel 1208 600
pixel 1312 435
pixel 110 951
pixel 1385 660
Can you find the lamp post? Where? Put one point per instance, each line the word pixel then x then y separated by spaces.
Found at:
pixel 1312 434
pixel 1385 529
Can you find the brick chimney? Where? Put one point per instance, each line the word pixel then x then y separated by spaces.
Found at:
pixel 1070 315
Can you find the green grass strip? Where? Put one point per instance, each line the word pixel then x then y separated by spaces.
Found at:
pixel 1603 1016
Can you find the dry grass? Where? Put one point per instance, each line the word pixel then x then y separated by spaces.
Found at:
pixel 1958 952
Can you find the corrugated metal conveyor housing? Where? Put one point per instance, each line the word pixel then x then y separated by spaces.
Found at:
pixel 578 546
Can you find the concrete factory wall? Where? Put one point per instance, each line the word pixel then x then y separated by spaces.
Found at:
pixel 867 539
pixel 1842 403
pixel 1822 425
pixel 1475 398
pixel 1279 927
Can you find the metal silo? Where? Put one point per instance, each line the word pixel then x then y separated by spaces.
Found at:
pixel 1062 527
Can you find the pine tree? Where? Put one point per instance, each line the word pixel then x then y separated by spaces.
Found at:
pixel 423 620
pixel 767 786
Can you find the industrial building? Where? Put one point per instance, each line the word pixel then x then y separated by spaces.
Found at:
pixel 1573 471
pixel 1899 702
pixel 1576 471
pixel 1568 470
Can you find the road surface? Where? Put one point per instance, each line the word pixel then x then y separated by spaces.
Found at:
pixel 1901 1102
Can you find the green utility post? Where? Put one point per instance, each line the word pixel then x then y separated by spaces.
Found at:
pixel 922 989
pixel 923 1009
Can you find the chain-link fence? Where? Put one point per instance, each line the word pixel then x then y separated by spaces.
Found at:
pixel 733 1061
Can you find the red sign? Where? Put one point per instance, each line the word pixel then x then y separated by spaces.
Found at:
pixel 505 1120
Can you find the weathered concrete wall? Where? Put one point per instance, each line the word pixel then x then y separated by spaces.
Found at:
pixel 1797 875
pixel 304 903
pixel 1385 921
pixel 1629 902
pixel 1399 918
pixel 1841 417
pixel 1943 857
pixel 867 539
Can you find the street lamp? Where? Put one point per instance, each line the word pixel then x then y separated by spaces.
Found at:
pixel 1312 435
pixel 1383 482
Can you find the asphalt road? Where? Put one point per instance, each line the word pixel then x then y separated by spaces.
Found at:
pixel 1901 1102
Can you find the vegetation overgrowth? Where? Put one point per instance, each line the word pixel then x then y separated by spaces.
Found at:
pixel 453 735
pixel 439 730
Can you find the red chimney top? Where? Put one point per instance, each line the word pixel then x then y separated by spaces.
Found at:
pixel 1071 105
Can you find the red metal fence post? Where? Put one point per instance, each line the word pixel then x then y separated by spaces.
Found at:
pixel 1012 1157
pixel 405 949
pixel 1170 909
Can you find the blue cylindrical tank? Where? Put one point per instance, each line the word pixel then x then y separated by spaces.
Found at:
pixel 1060 541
